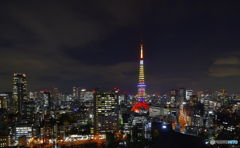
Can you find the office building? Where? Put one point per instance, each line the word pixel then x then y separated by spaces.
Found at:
pixel 35 95
pixel 82 94
pixel 189 93
pixel 182 94
pixel 23 129
pixel 47 99
pixel 87 96
pixel 54 94
pixel 106 112
pixel 76 92
pixel 9 98
pixel 67 97
pixel 61 132
pixel 31 95
pixel 51 132
pixel 28 111
pixel 19 92
pixel 3 101
pixel 174 96
pixel 5 140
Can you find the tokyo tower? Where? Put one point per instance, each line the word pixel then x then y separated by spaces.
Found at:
pixel 141 86
pixel 141 104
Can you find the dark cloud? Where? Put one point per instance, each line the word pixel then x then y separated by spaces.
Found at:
pixel 228 66
pixel 223 71
pixel 83 43
pixel 223 67
pixel 34 34
pixel 227 61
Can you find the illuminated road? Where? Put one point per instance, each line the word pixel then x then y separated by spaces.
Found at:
pixel 99 141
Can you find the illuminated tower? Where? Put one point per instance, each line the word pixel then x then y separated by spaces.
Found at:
pixel 140 104
pixel 141 86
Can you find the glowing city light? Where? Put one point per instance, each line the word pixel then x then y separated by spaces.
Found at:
pixel 140 105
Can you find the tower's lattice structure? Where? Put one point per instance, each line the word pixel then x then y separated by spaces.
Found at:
pixel 141 104
pixel 141 86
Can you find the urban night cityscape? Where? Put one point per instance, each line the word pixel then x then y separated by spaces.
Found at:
pixel 120 74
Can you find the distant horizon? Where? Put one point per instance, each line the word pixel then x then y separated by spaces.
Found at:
pixel 121 92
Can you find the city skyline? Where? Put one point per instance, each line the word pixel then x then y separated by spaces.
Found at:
pixel 67 44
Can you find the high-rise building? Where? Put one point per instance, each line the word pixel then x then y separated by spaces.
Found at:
pixel 189 93
pixel 31 95
pixel 141 86
pixel 106 112
pixel 174 96
pixel 223 92
pixel 182 94
pixel 9 101
pixel 22 129
pixel 88 96
pixel 66 97
pixel 20 95
pixel 35 95
pixel 60 96
pixel 74 92
pixel 78 92
pixel 3 101
pixel 200 94
pixel 174 92
pixel 28 111
pixel 5 140
pixel 55 94
pixel 83 91
pixel 46 99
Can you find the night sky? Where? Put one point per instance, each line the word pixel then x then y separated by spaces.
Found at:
pixel 193 44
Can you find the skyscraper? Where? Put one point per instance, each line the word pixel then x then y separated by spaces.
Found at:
pixel 141 86
pixel 3 101
pixel 106 112
pixel 20 95
pixel 182 94
pixel 47 99
pixel 74 92
pixel 55 94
